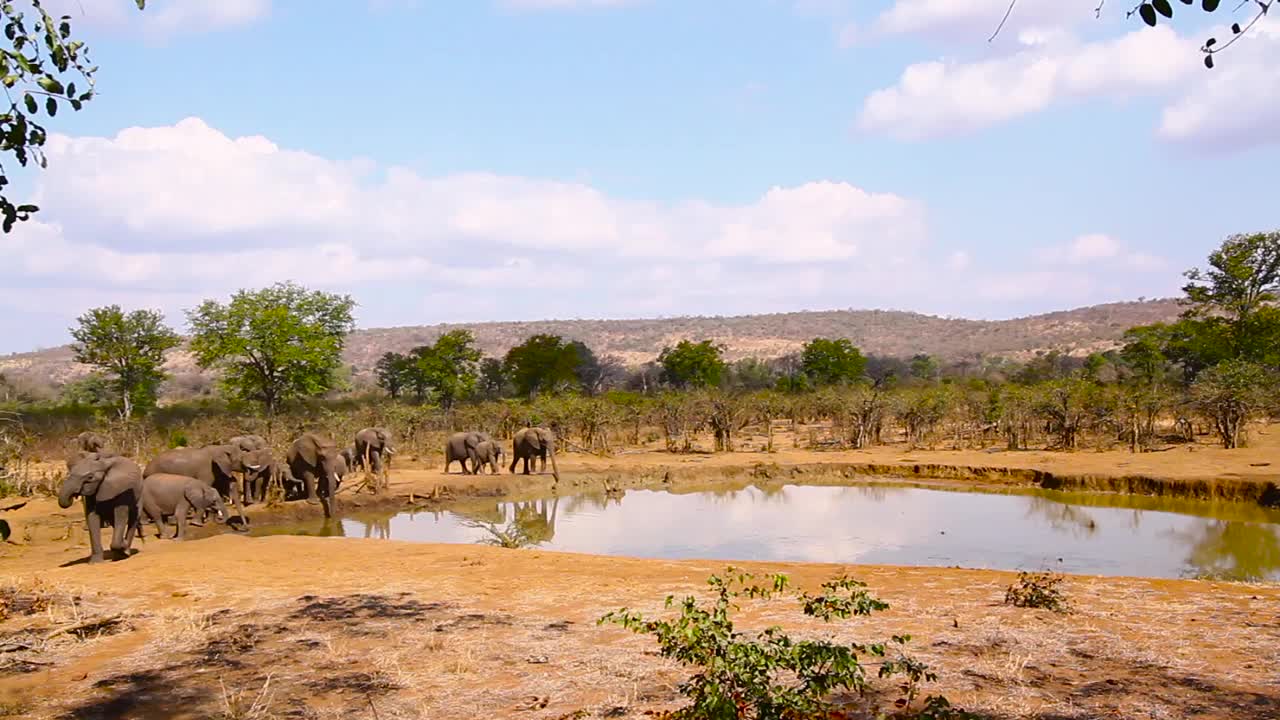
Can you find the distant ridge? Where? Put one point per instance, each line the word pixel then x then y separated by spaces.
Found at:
pixel 880 332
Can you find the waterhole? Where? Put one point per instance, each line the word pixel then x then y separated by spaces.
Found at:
pixel 1099 534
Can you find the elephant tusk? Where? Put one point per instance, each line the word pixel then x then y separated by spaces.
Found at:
pixel 255 468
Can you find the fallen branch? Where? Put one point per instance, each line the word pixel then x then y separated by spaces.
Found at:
pixel 85 626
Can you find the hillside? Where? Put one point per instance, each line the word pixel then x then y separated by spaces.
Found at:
pixel 880 332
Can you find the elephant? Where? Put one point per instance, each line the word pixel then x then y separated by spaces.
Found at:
pixel 461 446
pixel 488 453
pixel 529 443
pixel 373 450
pixel 255 480
pixel 111 489
pixel 213 465
pixel 315 460
pixel 164 495
pixel 86 443
pixel 349 457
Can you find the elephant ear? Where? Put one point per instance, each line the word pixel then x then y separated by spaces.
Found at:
pixel 309 450
pixel 122 475
pixel 224 458
pixel 194 493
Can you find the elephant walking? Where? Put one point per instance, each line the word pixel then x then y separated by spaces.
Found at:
pixel 488 454
pixel 213 465
pixel 531 443
pixel 111 490
pixel 461 447
pixel 373 452
pixel 165 495
pixel 316 461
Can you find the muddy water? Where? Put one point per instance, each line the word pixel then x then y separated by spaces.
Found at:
pixel 1100 534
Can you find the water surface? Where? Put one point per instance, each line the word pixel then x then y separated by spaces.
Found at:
pixel 1103 534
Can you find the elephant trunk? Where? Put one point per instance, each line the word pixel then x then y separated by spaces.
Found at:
pixel 68 492
pixel 555 471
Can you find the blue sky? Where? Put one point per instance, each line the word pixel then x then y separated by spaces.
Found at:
pixel 523 159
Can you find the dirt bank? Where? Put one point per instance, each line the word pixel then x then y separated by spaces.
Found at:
pixel 329 627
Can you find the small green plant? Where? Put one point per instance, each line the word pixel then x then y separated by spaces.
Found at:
pixel 773 676
pixel 178 439
pixel 1038 590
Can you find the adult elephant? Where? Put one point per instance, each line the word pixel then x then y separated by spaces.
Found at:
pixel 373 452
pixel 315 460
pixel 111 490
pixel 461 446
pixel 213 465
pixel 84 444
pixel 256 480
pixel 530 443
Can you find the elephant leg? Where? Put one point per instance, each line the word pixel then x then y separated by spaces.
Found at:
pixel 526 465
pixel 95 533
pixel 542 463
pixel 180 519
pixel 309 485
pixel 130 516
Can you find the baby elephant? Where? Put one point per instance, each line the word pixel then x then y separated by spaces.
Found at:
pixel 488 453
pixel 164 495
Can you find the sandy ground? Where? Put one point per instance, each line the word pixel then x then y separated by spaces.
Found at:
pixel 304 627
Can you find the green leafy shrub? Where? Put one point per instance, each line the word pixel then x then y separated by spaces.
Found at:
pixel 772 676
pixel 1038 590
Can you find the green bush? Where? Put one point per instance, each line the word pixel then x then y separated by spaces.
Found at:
pixel 1038 590
pixel 772 676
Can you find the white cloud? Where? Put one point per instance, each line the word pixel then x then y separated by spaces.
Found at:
pixel 976 20
pixel 175 184
pixel 162 18
pixel 940 98
pixel 1237 104
pixel 1098 249
pixel 184 210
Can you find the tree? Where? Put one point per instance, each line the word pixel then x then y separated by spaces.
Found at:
pixel 273 345
pixel 492 383
pixel 129 348
pixel 1243 277
pixel 692 365
pixel 450 367
pixel 542 363
pixel 832 361
pixel 1228 394
pixel 752 374
pixel 924 367
pixel 595 374
pixel 39 71
pixel 392 371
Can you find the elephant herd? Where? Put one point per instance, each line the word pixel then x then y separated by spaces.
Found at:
pixel 117 492
pixel 478 449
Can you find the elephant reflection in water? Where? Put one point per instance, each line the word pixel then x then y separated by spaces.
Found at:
pixel 380 528
pixel 1062 516
pixel 1233 550
pixel 536 520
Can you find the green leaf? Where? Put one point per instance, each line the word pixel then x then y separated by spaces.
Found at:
pixel 51 107
pixel 1211 42
pixel 1235 28
pixel 1209 5
pixel 142 4
pixel 1208 61
pixel 50 84
pixel 1163 7
pixel 1148 14
pixel 31 103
